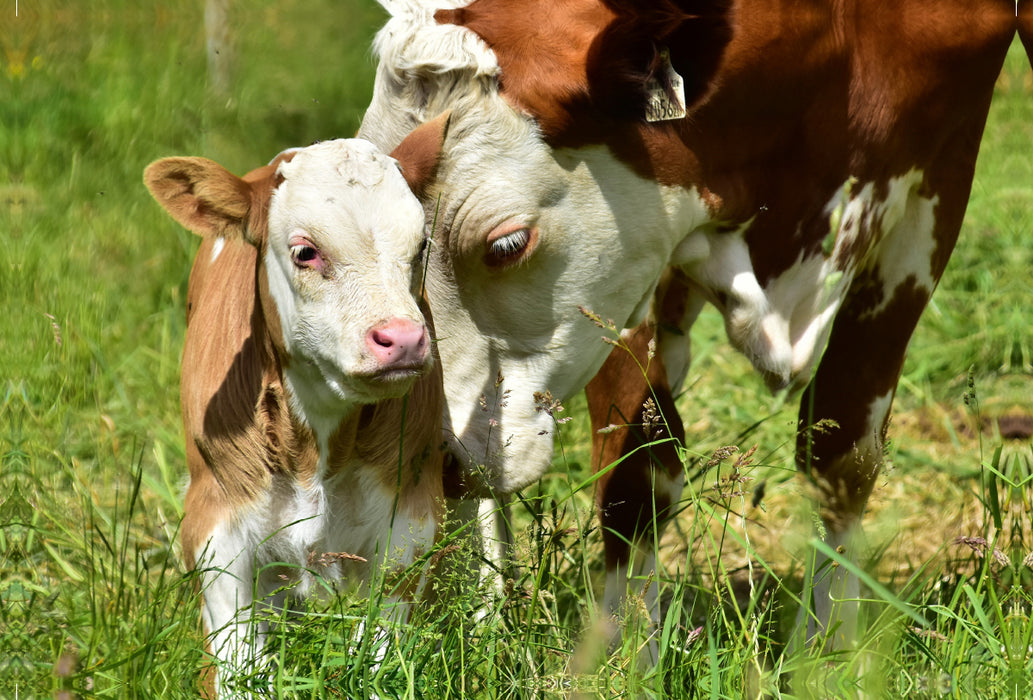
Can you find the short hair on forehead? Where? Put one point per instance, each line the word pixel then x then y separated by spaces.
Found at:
pixel 433 65
pixel 347 162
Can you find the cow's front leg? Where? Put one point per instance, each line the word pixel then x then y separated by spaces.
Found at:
pixel 635 435
pixel 844 414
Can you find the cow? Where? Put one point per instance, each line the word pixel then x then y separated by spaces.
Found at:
pixel 310 396
pixel 803 167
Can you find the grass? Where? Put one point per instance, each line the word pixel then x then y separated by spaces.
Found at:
pixel 94 599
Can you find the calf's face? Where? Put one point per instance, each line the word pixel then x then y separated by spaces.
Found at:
pixel 339 235
pixel 345 235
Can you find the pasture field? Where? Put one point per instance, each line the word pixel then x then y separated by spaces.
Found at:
pixel 94 600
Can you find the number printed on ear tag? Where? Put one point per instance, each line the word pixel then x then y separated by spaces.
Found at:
pixel 663 105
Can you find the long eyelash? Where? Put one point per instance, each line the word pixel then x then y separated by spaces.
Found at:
pixel 510 244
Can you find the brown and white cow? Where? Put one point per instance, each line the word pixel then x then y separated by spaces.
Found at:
pixel 804 167
pixel 310 401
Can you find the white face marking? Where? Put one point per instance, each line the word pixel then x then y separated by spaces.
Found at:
pixel 344 236
pixel 217 247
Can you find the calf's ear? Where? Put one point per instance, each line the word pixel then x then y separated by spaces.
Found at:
pixel 419 153
pixel 201 195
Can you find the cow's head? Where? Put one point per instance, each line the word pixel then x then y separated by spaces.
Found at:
pixel 340 236
pixel 543 202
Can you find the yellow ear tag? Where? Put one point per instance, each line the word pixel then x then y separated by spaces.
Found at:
pixel 664 105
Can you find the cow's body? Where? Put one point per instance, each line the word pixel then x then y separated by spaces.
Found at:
pixel 813 194
pixel 311 411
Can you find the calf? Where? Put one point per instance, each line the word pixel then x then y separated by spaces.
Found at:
pixel 312 413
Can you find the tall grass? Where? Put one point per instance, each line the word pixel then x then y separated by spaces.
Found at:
pixel 94 599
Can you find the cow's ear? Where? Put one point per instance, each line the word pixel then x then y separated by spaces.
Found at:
pixel 200 194
pixel 419 153
pixel 650 40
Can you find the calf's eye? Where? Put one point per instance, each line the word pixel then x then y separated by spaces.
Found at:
pixel 304 254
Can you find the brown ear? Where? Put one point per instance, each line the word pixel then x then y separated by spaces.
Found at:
pixel 419 153
pixel 200 194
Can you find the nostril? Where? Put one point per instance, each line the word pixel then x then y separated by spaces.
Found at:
pixel 382 338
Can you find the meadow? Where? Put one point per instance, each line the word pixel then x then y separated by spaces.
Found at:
pixel 94 598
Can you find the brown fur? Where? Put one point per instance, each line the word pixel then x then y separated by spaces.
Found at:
pixel 420 152
pixel 579 67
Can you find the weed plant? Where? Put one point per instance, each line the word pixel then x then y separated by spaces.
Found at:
pixel 94 599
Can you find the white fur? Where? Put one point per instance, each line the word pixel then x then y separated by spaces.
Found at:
pixel 910 254
pixel 353 514
pixel 217 247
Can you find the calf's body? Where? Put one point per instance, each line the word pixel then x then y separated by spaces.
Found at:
pixel 310 397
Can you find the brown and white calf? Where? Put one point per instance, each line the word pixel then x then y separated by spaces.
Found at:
pixel 803 167
pixel 310 397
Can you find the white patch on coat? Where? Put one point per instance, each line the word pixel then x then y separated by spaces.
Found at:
pixel 836 596
pixel 783 327
pixel 217 247
pixel 909 254
pixel 352 513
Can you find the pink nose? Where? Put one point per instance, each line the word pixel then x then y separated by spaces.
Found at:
pixel 399 342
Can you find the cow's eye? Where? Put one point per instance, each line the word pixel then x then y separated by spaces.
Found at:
pixel 508 245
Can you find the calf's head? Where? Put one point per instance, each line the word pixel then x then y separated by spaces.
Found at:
pixel 340 236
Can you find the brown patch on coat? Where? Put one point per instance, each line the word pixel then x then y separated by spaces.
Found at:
pixel 1025 22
